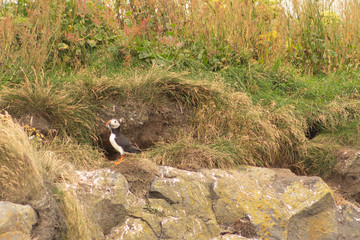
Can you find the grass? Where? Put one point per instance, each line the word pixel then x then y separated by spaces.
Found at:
pixel 28 176
pixel 66 113
pixel 81 156
pixel 77 224
pixel 226 125
pixel 21 178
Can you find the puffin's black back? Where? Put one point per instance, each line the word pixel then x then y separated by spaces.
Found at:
pixel 124 142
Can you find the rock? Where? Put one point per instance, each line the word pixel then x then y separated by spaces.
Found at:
pixel 275 200
pixel 37 122
pixel 346 175
pixel 189 201
pixel 348 222
pixel 105 197
pixel 231 237
pixel 132 229
pixel 16 221
pixel 249 203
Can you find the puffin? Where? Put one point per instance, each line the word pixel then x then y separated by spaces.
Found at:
pixel 121 143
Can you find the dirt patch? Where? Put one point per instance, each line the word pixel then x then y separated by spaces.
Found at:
pixel 139 174
pixel 242 227
pixel 40 123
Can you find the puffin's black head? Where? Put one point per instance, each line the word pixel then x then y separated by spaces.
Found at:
pixel 113 124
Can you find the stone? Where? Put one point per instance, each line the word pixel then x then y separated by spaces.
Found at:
pixel 16 221
pixel 231 237
pixel 189 204
pixel 275 200
pixel 105 197
pixel 247 203
pixel 14 236
pixel 346 174
pixel 348 222
pixel 132 229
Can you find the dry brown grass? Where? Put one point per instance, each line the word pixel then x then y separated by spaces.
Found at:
pixel 187 153
pixel 25 170
pixel 81 156
pixel 66 114
pixel 28 176
pixel 20 178
pixel 227 129
pixel 29 172
pixel 77 224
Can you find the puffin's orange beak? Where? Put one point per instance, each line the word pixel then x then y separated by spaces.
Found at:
pixel 107 123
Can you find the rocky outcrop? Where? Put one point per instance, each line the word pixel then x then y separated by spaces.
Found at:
pixel 248 203
pixel 216 204
pixel 16 221
pixel 346 175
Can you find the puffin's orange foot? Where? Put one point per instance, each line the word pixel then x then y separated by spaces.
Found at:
pixel 120 160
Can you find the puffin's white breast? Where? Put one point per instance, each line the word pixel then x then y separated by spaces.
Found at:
pixel 115 145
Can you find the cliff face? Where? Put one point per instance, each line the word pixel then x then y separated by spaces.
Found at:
pixel 214 204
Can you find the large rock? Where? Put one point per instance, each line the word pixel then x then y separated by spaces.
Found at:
pixel 279 204
pixel 105 197
pixel 215 204
pixel 348 222
pixel 16 221
pixel 346 175
pixel 188 204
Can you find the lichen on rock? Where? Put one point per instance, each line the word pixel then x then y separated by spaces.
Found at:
pixel 248 203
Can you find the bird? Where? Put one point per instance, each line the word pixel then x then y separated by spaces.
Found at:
pixel 121 143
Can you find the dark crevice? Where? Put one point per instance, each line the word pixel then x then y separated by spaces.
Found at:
pixel 159 237
pixel 159 195
pixel 314 128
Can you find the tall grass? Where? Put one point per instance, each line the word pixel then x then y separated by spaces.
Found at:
pixel 45 34
pixel 314 36
pixel 21 178
pixel 308 34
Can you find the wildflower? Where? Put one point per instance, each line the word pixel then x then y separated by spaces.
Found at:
pixel 5 117
pixel 330 18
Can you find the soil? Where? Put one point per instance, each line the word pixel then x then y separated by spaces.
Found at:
pixel 139 174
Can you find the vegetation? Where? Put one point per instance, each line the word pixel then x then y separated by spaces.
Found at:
pixel 260 82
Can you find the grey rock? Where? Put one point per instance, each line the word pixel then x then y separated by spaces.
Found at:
pixel 16 221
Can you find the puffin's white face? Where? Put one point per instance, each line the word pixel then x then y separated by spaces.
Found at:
pixel 113 124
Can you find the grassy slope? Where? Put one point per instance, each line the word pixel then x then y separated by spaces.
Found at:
pixel 257 115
